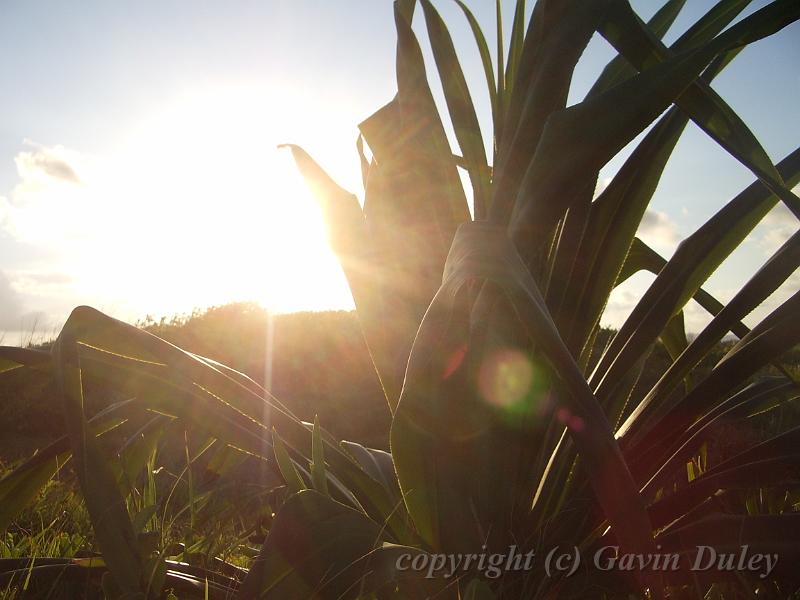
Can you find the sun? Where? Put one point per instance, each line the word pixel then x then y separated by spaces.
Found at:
pixel 214 212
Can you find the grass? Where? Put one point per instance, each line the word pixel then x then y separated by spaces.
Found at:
pixel 218 533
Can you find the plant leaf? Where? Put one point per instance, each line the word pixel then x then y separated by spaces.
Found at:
pixel 778 471
pixel 312 539
pixel 226 404
pixel 21 485
pixel 625 32
pixel 594 139
pixel 459 104
pixel 483 252
pixel 779 268
pixel 293 481
pixel 558 34
pixel 486 59
pixel 110 520
pixel 319 476
pixel 683 275
pixel 757 397
pixel 773 336
pixel 619 69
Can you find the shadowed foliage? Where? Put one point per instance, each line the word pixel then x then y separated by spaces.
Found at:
pixel 511 425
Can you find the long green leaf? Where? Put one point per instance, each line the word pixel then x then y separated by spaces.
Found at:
pixel 779 268
pixel 625 31
pixel 715 20
pixel 499 113
pixel 110 520
pixel 778 471
pixel 756 398
pixel 424 129
pixel 377 463
pixel 486 58
pixel 515 48
pixel 776 334
pixel 538 215
pixel 709 25
pixel 459 104
pixel 613 220
pixel 293 481
pixel 683 275
pixel 619 69
pixel 319 476
pixel 362 267
pixel 594 139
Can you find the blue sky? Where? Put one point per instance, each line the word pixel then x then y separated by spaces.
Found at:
pixel 138 169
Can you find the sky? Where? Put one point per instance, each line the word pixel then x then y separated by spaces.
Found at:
pixel 139 171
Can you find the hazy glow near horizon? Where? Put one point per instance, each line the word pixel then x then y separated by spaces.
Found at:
pixel 196 207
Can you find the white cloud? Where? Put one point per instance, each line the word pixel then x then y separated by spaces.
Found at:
pixel 620 304
pixel 48 206
pixel 659 230
pixel 777 227
pixel 47 163
pixel 624 298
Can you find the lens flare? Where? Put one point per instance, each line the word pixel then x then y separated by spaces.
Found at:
pixel 573 422
pixel 506 378
pixel 454 362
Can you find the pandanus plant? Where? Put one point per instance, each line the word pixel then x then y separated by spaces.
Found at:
pixel 513 428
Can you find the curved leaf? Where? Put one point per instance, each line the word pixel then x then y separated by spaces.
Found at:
pixel 755 398
pixel 227 404
pixel 459 104
pixel 558 34
pixel 110 520
pixel 22 484
pixel 779 268
pixel 483 252
pixel 486 58
pixel 776 334
pixel 312 539
pixel 549 188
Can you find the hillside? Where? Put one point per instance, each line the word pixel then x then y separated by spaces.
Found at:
pixel 318 362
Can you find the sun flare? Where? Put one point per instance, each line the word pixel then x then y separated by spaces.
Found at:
pixel 213 212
